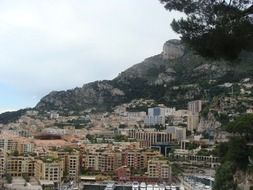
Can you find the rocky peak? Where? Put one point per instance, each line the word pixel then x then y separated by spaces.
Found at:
pixel 175 76
pixel 173 49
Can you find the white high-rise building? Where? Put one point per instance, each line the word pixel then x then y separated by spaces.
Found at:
pixel 156 116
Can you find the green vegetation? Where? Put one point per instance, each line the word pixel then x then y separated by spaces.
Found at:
pixel 8 178
pixel 213 26
pixel 221 117
pixel 176 169
pixel 79 123
pixel 137 108
pixel 49 159
pixel 204 152
pixel 191 146
pixel 15 153
pixel 235 153
pixel 242 126
pixel 68 149
pixel 26 177
pixel 120 138
pixel 204 112
pixel 8 117
pixel 122 126
pixel 224 177
pixel 91 138
pixel 234 156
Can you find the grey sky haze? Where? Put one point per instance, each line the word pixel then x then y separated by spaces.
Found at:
pixel 57 45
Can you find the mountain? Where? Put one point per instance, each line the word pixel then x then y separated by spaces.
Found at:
pixel 174 77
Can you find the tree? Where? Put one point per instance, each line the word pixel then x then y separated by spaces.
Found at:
pixel 243 125
pixel 214 28
pixel 8 178
pixel 234 156
pixel 224 177
pixel 26 177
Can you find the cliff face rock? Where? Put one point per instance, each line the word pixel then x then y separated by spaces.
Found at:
pixel 174 77
pixel 93 95
pixel 209 123
pixel 173 49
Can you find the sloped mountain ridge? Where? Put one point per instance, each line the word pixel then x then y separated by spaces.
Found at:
pixel 175 76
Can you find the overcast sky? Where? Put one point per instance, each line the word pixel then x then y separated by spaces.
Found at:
pixel 50 45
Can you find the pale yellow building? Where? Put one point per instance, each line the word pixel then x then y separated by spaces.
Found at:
pixel 49 169
pixel 8 144
pixel 90 161
pixel 3 158
pixel 73 166
pixel 71 162
pixel 192 121
pixel 159 168
pixel 20 165
pixel 109 161
pixel 24 146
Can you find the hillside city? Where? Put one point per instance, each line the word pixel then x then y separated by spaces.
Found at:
pixel 121 146
pixel 178 120
pixel 160 146
pixel 142 144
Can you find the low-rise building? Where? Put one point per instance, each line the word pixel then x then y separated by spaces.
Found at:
pixel 151 137
pixel 193 158
pixel 136 116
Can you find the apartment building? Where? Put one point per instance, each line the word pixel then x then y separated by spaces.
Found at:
pixel 151 137
pixel 3 159
pixel 19 165
pixel 109 161
pixel 24 147
pixel 147 155
pixel 183 156
pixel 104 161
pixel 158 168
pixel 131 159
pixel 71 160
pixel 136 116
pixel 192 121
pixel 91 161
pixel 179 132
pixel 170 111
pixel 123 173
pixel 8 144
pixel 156 116
pixel 49 169
pixel 195 106
pixel 138 159
pixel 73 166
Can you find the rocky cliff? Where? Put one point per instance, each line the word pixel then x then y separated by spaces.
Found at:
pixel 175 76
